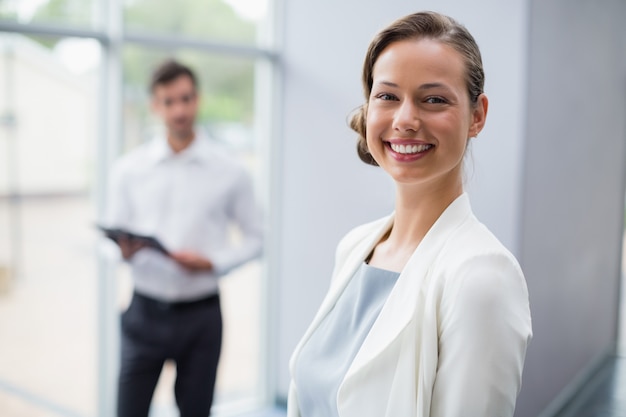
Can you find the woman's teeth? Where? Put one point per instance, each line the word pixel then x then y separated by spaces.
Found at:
pixel 408 149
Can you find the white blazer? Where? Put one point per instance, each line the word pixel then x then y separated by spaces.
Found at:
pixel 450 340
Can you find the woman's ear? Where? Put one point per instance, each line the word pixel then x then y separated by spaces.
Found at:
pixel 479 115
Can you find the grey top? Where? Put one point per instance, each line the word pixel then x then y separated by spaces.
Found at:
pixel 326 357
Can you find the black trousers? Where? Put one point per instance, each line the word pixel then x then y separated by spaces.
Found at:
pixel 153 332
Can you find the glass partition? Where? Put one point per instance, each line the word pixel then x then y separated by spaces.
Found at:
pixel 48 93
pixel 75 13
pixel 232 21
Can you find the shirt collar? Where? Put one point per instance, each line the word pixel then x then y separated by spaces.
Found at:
pixel 198 150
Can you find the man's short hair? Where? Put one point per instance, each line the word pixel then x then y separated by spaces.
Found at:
pixel 168 71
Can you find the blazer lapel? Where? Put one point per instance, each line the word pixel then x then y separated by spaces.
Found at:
pixel 408 292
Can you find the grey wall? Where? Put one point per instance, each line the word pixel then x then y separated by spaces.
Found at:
pixel 573 202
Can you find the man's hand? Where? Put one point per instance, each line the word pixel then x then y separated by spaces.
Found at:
pixel 129 247
pixel 192 261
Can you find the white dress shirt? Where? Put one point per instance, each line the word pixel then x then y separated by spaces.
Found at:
pixel 189 201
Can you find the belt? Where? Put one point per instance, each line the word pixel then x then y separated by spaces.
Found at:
pixel 177 305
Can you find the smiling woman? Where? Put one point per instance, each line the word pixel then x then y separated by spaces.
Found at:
pixel 427 314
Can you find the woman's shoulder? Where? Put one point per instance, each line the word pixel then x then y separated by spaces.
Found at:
pixel 473 250
pixel 474 240
pixel 477 273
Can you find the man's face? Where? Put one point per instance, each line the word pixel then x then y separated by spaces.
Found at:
pixel 176 103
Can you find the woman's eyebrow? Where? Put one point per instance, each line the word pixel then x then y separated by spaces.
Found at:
pixel 387 83
pixel 426 86
pixel 429 86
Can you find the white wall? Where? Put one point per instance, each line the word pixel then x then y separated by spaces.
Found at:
pixel 325 190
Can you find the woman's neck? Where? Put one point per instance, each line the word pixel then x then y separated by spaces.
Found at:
pixel 417 209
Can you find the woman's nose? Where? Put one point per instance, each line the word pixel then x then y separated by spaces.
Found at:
pixel 406 117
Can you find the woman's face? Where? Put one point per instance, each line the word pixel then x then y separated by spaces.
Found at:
pixel 419 116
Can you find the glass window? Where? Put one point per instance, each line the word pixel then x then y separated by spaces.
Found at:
pixel 79 13
pixel 234 21
pixel 48 298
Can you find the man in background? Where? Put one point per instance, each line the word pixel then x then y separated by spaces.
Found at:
pixel 187 193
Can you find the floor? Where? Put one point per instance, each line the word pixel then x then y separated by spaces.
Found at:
pixel 271 412
pixel 265 412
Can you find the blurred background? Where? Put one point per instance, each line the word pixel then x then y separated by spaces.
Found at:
pixel 73 95
pixel 278 79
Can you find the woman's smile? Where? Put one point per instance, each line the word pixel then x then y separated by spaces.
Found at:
pixel 405 151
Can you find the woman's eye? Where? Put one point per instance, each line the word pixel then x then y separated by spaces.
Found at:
pixel 386 96
pixel 435 100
